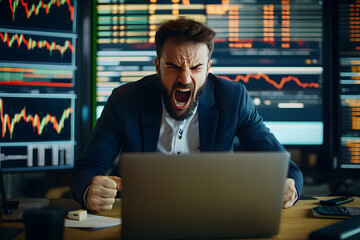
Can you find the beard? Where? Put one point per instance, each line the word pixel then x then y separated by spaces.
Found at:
pixel 168 99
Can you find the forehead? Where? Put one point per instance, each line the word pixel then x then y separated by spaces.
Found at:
pixel 175 51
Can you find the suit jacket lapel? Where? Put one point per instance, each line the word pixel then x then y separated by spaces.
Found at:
pixel 151 116
pixel 208 117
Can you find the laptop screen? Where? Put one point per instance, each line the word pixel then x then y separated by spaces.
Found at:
pixel 7 206
pixel 2 193
pixel 5 232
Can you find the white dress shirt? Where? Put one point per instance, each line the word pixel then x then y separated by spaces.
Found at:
pixel 178 137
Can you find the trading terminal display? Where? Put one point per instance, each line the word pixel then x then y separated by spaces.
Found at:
pixel 37 84
pixel 349 88
pixel 273 47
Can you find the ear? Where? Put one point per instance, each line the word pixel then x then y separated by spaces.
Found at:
pixel 208 66
pixel 157 66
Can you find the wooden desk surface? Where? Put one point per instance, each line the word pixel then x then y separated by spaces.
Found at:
pixel 296 224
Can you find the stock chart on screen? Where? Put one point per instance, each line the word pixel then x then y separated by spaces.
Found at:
pixel 273 47
pixel 37 84
pixel 348 81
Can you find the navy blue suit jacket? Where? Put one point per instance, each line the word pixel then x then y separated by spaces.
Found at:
pixel 131 119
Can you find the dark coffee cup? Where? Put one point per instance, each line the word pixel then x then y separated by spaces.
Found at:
pixel 44 223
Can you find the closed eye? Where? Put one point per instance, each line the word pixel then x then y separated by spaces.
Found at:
pixel 196 67
pixel 172 65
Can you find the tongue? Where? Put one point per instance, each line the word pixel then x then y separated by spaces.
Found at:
pixel 182 96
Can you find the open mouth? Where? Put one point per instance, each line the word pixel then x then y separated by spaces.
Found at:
pixel 182 97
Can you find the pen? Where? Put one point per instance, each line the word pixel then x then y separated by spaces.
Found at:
pixel 115 164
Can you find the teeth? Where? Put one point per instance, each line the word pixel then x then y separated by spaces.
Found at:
pixel 184 90
pixel 180 104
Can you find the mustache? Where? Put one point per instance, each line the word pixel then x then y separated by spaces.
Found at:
pixel 181 85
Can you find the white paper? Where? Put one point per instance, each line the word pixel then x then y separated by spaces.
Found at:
pixel 93 222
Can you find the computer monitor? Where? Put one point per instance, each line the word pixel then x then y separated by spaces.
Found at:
pixel 274 48
pixel 37 84
pixel 347 95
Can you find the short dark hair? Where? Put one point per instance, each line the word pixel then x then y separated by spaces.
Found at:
pixel 184 29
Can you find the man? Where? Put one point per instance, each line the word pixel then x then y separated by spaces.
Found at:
pixel 181 109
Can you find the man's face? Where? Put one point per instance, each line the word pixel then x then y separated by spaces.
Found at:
pixel 183 70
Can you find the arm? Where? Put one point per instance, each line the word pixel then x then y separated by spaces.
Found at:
pixel 98 156
pixel 120 128
pixel 255 136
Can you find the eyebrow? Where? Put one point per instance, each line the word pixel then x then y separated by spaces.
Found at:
pixel 174 65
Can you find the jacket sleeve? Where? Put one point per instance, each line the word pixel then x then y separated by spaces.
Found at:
pixel 100 152
pixel 255 136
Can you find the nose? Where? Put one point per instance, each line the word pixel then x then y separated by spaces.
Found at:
pixel 185 76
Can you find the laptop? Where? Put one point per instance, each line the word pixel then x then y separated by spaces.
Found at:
pixel 12 208
pixel 202 195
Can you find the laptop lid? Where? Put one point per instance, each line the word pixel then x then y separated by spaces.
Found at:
pixel 12 209
pixel 203 195
pixel 6 233
pixel 2 192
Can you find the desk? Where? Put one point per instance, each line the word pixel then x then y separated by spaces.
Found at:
pixel 296 224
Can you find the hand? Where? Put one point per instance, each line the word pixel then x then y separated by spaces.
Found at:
pixel 101 193
pixel 290 194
